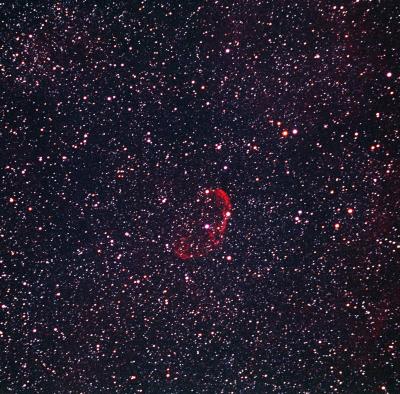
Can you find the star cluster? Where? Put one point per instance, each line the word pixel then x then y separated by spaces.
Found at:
pixel 116 116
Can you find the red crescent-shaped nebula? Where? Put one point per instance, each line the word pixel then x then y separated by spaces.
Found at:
pixel 203 225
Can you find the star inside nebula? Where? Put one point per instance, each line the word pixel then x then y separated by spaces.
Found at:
pixel 199 196
pixel 199 233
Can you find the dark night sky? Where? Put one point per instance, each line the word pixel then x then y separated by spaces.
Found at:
pixel 115 120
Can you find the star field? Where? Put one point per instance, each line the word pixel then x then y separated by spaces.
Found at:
pixel 117 118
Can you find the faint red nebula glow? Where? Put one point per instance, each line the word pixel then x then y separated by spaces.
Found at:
pixel 204 231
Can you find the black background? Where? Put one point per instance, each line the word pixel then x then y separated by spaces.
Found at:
pixel 86 263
